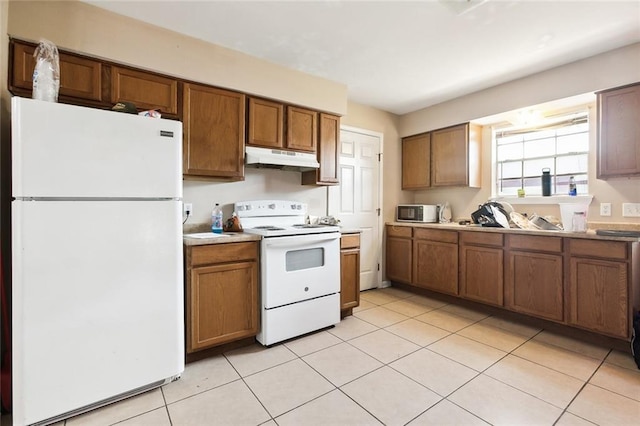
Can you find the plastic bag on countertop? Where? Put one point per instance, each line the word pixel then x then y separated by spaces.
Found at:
pixel 46 74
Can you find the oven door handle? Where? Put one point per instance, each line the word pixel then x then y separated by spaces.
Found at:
pixel 297 240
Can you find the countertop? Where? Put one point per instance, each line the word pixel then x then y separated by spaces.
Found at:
pixel 590 234
pixel 230 237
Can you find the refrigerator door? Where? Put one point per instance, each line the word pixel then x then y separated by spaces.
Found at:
pixel 69 151
pixel 97 301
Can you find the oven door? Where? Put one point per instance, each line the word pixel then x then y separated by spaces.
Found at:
pixel 299 267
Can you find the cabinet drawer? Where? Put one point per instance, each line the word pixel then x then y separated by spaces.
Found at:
pixel 482 239
pixel 535 243
pixel 399 231
pixel 221 253
pixel 601 249
pixel 436 235
pixel 350 241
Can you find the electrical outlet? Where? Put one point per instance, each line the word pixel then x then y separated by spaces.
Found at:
pixel 187 209
pixel 605 209
pixel 631 209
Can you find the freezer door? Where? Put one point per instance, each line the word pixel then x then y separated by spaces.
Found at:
pixel 63 150
pixel 97 301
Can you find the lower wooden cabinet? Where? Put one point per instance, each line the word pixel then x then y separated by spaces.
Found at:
pixel 534 276
pixel 349 272
pixel 435 260
pixel 221 294
pixel 399 251
pixel 481 267
pixel 598 287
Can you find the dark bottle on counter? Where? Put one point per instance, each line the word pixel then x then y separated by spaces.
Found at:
pixel 572 186
pixel 546 182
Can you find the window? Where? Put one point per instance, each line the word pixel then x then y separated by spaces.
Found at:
pixel 562 146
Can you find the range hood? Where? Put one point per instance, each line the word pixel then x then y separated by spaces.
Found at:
pixel 280 159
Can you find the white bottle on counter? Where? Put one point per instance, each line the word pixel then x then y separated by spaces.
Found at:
pixel 445 213
pixel 216 220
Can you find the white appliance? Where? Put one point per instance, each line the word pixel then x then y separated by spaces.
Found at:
pixel 300 269
pixel 280 159
pixel 97 291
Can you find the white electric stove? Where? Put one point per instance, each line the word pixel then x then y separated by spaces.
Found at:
pixel 299 268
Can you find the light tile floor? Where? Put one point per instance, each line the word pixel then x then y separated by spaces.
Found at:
pixel 400 359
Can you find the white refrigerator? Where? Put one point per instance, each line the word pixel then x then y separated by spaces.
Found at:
pixel 97 290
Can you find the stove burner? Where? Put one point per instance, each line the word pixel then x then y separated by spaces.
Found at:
pixel 269 228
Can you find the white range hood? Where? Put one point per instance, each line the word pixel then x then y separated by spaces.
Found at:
pixel 280 159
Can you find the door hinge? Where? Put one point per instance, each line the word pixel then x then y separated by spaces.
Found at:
pixel 378 266
pixel 379 156
pixel 378 210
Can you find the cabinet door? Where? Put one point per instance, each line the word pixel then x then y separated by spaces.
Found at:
pixel 619 132
pixel 266 123
pixel 455 156
pixel 145 90
pixel 435 266
pixel 222 304
pixel 349 278
pixel 302 129
pixel 398 259
pixel 80 77
pixel 534 284
pixel 213 121
pixel 481 274
pixel 416 162
pixel 598 296
pixel 328 155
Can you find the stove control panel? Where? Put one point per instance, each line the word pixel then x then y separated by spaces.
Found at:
pixel 270 208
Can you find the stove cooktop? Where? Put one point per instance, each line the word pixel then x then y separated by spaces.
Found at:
pixel 281 231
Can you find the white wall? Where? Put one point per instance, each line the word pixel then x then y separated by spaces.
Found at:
pixel 611 69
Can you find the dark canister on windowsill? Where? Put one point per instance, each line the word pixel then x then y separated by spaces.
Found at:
pixel 546 182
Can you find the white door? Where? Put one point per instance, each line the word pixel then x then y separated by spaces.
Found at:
pixel 356 201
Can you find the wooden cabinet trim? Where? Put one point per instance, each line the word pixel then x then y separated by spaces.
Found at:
pixel 436 235
pixel 222 253
pixel 598 249
pixel 349 241
pixel 482 239
pixel 535 243
pixel 399 231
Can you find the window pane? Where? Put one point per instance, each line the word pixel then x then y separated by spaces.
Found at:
pixel 540 148
pixel 510 170
pixel 573 143
pixel 534 167
pixel 562 147
pixel 572 164
pixel 510 186
pixel 509 152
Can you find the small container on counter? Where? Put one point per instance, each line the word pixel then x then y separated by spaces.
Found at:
pixel 579 222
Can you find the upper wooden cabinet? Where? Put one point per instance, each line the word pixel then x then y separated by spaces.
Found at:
pixel 328 153
pixel 81 78
pixel 266 123
pixel 416 162
pixel 455 156
pixel 619 132
pixel 213 125
pixel 145 90
pixel 302 129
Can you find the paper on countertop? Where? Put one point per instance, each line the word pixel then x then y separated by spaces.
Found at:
pixel 205 235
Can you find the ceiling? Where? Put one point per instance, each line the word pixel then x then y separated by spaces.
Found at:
pixel 401 56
